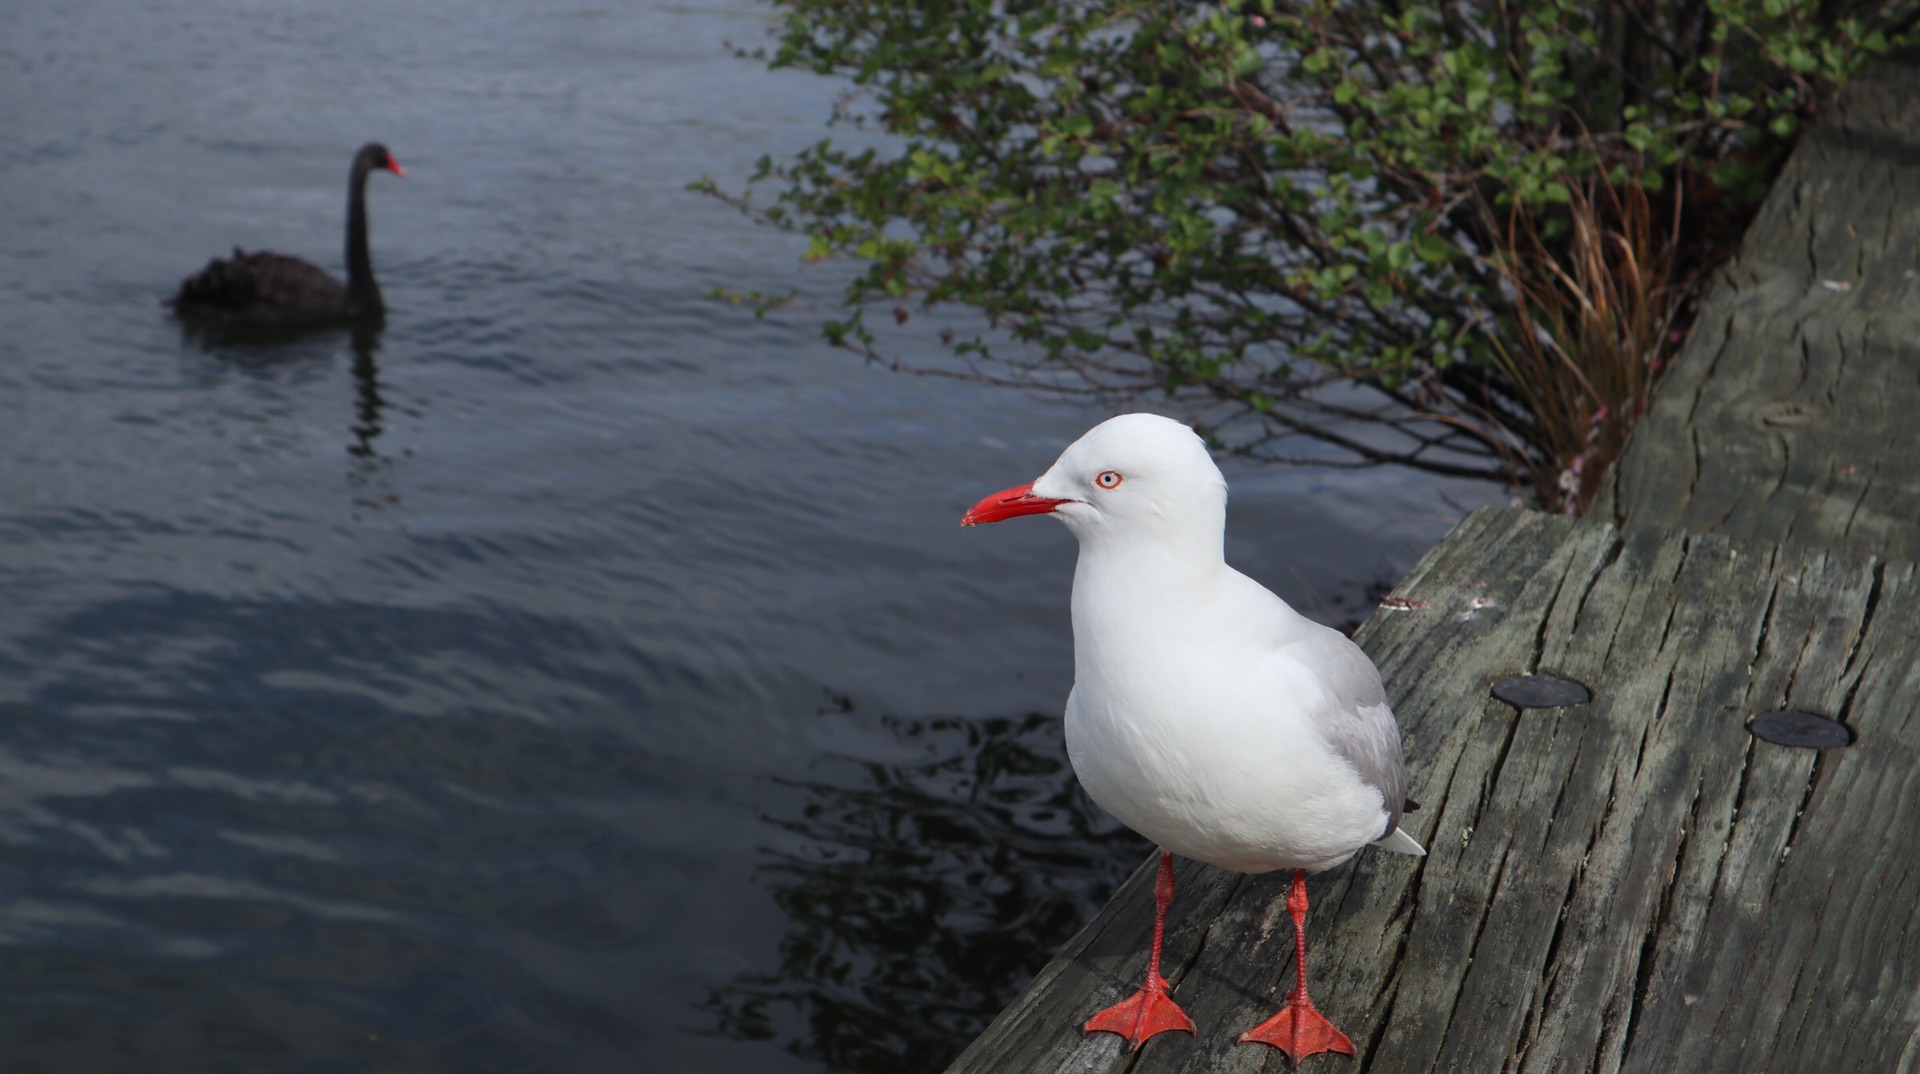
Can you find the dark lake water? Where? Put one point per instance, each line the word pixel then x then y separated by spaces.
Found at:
pixel 579 675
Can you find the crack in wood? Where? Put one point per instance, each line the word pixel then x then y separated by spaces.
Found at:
pixel 1479 934
pixel 1674 609
pixel 1852 662
pixel 1609 561
pixel 1536 1012
pixel 1378 1031
pixel 1658 925
pixel 1793 826
pixel 1841 366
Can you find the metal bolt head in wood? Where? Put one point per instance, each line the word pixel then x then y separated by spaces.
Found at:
pixel 1803 730
pixel 1541 692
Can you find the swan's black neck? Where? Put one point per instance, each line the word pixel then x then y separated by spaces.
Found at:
pixel 362 292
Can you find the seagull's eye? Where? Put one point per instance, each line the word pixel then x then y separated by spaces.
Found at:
pixel 1109 479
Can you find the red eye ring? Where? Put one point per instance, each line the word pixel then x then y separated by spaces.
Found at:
pixel 1108 479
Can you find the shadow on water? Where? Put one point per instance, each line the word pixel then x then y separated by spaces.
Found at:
pixel 923 895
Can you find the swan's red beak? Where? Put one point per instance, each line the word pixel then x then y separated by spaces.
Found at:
pixel 1012 502
pixel 394 167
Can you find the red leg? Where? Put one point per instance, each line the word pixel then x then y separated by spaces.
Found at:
pixel 1299 1030
pixel 1149 1010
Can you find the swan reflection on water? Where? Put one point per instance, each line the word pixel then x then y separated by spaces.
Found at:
pixel 366 395
pixel 921 897
pixel 296 352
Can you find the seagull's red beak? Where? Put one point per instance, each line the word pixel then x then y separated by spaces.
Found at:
pixel 1014 501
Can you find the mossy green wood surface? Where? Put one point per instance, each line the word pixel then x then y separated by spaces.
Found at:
pixel 1634 884
pixel 1790 414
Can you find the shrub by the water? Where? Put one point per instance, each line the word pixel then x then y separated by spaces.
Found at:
pixel 1491 218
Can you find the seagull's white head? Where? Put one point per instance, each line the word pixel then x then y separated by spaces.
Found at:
pixel 1137 474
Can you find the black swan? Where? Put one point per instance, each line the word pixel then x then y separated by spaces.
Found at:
pixel 274 289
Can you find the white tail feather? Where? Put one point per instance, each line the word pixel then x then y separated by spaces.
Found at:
pixel 1400 842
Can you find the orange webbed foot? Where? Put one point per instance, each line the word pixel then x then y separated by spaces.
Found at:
pixel 1143 1014
pixel 1299 1030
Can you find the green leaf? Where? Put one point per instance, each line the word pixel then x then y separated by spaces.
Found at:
pixel 1433 249
pixel 1246 60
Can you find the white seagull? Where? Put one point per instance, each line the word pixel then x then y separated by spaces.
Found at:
pixel 1207 714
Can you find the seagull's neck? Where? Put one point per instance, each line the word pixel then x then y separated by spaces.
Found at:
pixel 1146 577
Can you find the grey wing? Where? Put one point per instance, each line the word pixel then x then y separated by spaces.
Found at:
pixel 1358 723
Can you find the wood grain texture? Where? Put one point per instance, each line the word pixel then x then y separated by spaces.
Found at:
pixel 1636 884
pixel 1789 413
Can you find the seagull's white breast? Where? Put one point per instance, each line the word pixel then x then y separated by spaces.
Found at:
pixel 1200 726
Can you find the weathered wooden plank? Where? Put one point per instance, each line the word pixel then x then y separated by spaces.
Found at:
pixel 1634 884
pixel 1818 957
pixel 1788 415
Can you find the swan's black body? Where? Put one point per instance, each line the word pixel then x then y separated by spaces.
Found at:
pixel 274 289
